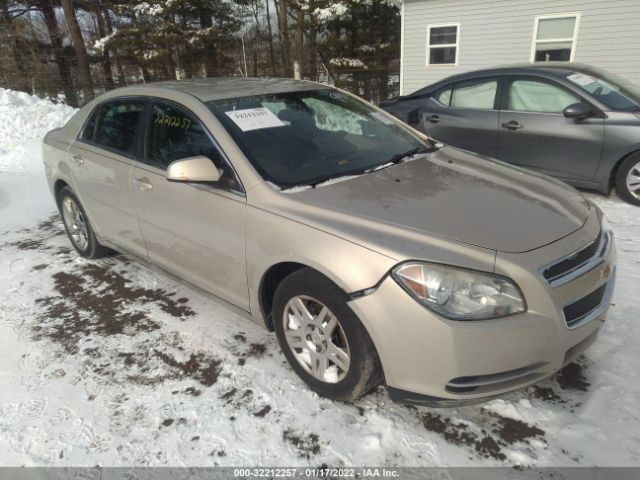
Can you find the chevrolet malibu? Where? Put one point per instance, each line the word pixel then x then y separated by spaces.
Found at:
pixel 376 254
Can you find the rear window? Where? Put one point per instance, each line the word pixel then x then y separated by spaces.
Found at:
pixel 471 94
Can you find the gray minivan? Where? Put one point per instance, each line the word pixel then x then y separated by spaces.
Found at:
pixel 574 122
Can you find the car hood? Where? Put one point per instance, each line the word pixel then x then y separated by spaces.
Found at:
pixel 460 196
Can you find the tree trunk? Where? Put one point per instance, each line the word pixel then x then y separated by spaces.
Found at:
pixel 106 61
pixel 299 42
pixel 116 57
pixel 283 32
pixel 84 72
pixel 18 77
pixel 313 50
pixel 256 39
pixel 210 57
pixel 271 53
pixel 56 43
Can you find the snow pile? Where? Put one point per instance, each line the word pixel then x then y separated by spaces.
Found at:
pixel 331 12
pixel 24 121
pixel 101 43
pixel 347 62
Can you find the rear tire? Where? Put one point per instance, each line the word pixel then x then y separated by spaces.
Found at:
pixel 628 179
pixel 76 223
pixel 323 339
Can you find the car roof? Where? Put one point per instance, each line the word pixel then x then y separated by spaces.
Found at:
pixel 551 69
pixel 208 89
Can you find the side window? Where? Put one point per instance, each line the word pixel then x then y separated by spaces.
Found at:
pixel 527 95
pixel 89 129
pixel 444 96
pixel 479 94
pixel 175 134
pixel 117 123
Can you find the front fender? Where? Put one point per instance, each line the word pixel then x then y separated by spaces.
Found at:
pixel 273 239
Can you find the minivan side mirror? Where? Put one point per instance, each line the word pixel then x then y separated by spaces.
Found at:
pixel 578 111
pixel 198 169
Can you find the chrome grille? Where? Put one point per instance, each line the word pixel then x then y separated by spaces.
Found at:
pixel 578 263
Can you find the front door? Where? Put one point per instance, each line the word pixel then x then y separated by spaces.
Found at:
pixel 463 115
pixel 535 134
pixel 192 230
pixel 101 161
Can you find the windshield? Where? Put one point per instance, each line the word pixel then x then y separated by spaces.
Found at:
pixel 612 90
pixel 305 137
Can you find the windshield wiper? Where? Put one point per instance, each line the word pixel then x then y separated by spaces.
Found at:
pixel 400 157
pixel 395 159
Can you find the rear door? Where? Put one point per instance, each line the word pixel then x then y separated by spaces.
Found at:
pixel 101 159
pixel 195 231
pixel 534 132
pixel 464 114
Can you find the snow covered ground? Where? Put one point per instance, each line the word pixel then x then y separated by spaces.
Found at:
pixel 111 363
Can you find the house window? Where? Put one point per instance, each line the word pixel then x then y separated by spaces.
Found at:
pixel 555 38
pixel 442 44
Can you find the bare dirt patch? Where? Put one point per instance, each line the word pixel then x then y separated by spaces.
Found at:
pixel 253 350
pixel 459 434
pixel 199 366
pixel 38 236
pixel 263 411
pixel 306 445
pixel 547 394
pixel 512 431
pixel 99 301
pixel 572 377
pixel 489 442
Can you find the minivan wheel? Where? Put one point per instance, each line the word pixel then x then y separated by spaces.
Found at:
pixel 77 225
pixel 628 180
pixel 323 340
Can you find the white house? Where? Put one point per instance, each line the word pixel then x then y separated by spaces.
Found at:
pixel 444 37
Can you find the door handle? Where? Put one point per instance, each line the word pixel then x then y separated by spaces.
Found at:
pixel 512 125
pixel 78 159
pixel 433 119
pixel 143 184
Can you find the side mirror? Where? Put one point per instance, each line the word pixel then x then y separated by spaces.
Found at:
pixel 578 111
pixel 198 169
pixel 413 117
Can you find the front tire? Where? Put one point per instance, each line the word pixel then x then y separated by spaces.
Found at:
pixel 76 223
pixel 628 180
pixel 323 340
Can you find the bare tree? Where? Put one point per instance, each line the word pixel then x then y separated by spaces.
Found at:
pixel 55 37
pixel 106 59
pixel 283 32
pixel 84 72
pixel 271 52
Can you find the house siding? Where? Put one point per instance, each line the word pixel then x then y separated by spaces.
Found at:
pixel 497 32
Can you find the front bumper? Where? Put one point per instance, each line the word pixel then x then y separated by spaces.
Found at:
pixel 429 360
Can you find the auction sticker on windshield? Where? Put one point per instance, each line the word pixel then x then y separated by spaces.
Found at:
pixel 581 79
pixel 254 119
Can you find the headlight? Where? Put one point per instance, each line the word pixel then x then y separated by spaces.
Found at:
pixel 460 294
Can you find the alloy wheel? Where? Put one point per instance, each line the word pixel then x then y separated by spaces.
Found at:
pixel 75 222
pixel 633 180
pixel 316 339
